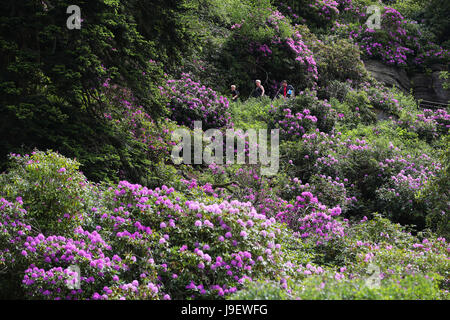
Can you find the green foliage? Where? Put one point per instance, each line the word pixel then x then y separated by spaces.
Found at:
pixel 338 60
pixel 319 15
pixel 170 24
pixel 50 80
pixel 356 108
pixel 408 269
pixel 251 114
pixel 436 14
pixel 337 90
pixel 261 291
pixel 412 9
pixel 51 188
pixel 327 288
pixel 436 192
pixel 444 75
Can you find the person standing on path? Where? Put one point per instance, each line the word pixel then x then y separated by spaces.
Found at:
pixel 286 91
pixel 234 93
pixel 259 90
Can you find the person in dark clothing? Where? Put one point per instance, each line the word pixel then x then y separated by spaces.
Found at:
pixel 286 91
pixel 234 93
pixel 259 90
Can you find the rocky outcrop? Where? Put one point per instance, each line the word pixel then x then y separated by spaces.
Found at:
pixel 389 75
pixel 429 87
pixel 426 86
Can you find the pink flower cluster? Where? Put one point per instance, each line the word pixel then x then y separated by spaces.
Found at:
pixel 303 55
pixel 190 101
pixel 312 220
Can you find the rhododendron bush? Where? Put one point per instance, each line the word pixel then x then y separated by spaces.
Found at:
pixel 398 41
pixel 135 242
pixel 131 242
pixel 316 13
pixel 190 101
pixel 269 48
pixel 297 117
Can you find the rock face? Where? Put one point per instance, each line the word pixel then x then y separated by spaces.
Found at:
pixel 425 86
pixel 389 75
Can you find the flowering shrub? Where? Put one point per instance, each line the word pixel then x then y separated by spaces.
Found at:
pixel 326 8
pixel 13 230
pixel 337 60
pixel 331 192
pixel 302 212
pixel 382 177
pixel 404 184
pixel 429 125
pixel 295 125
pixel 190 101
pixel 408 267
pixel 356 108
pixel 331 286
pixel 313 220
pixel 135 242
pixel 303 54
pixel 395 251
pixel 268 46
pixel 88 250
pixel 398 41
pixel 298 116
pixel 328 154
pixel 316 13
pixel 128 117
pixel 224 241
pixel 382 98
pixel 52 189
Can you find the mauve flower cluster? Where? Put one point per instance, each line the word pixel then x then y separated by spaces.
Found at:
pixel 295 117
pixel 380 97
pixel 88 251
pixel 406 177
pixel 313 220
pixel 190 101
pixel 317 11
pixel 328 152
pixel 297 124
pixel 398 42
pixel 428 124
pixel 303 55
pixel 13 229
pixel 326 8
